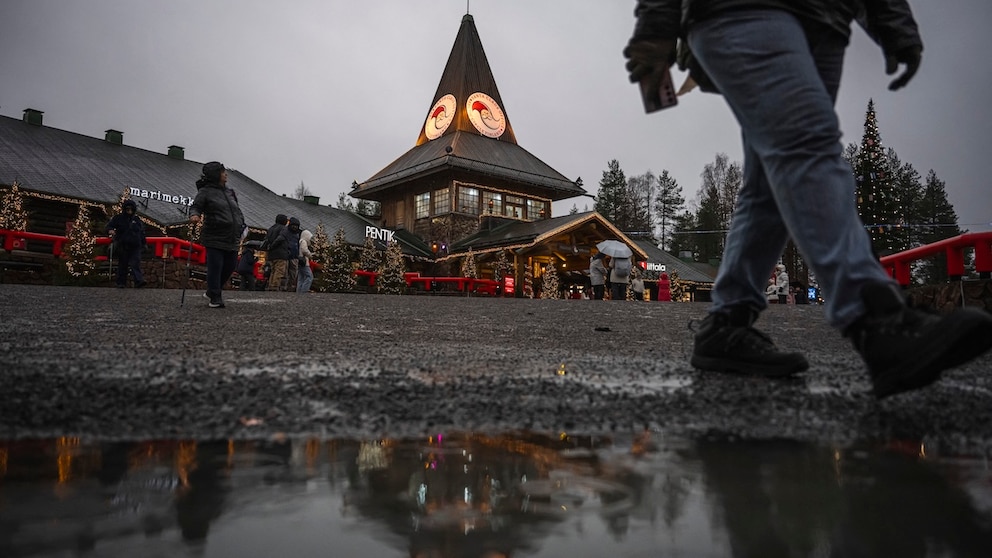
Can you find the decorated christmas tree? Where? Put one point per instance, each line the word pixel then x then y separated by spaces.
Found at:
pixel 469 268
pixel 320 248
pixel 550 282
pixel 390 279
pixel 13 216
pixel 878 200
pixel 80 244
pixel 371 257
pixel 339 273
pixel 501 267
pixel 676 287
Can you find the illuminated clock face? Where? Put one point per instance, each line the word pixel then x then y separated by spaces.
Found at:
pixel 441 115
pixel 485 115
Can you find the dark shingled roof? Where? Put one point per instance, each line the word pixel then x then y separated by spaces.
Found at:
pixel 687 271
pixel 60 163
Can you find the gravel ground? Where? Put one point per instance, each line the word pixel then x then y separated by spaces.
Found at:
pixel 111 364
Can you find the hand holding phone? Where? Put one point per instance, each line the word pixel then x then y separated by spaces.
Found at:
pixel 658 94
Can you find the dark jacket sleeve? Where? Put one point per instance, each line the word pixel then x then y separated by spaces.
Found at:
pixel 891 24
pixel 657 19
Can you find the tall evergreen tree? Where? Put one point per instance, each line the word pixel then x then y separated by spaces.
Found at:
pixel 940 221
pixel 550 282
pixel 640 190
pixel 879 205
pixel 683 237
pixel 908 188
pixel 320 248
pixel 668 204
pixel 612 191
pixel 469 267
pixel 371 257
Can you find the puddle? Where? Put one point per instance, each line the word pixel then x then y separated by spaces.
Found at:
pixel 490 495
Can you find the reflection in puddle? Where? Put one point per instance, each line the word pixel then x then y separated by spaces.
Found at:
pixel 516 494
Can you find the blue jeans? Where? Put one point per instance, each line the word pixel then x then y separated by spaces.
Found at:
pixel 781 83
pixel 304 279
pixel 220 266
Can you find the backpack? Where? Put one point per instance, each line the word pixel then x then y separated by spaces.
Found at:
pixel 621 268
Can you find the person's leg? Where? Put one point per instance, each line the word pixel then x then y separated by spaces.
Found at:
pixel 228 264
pixel 781 87
pixel 292 274
pixel 134 262
pixel 278 275
pixel 215 268
pixel 598 291
pixel 122 265
pixel 305 280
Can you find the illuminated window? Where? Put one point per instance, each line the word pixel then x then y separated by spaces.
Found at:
pixel 492 203
pixel 422 205
pixel 536 210
pixel 468 200
pixel 514 207
pixel 442 202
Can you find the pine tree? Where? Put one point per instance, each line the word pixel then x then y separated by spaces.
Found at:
pixel 469 267
pixel 80 245
pixel 13 216
pixel 370 258
pixel 320 247
pixel 940 221
pixel 550 283
pixel 390 279
pixel 637 210
pixel 667 206
pixel 339 272
pixel 612 191
pixel 879 205
pixel 907 185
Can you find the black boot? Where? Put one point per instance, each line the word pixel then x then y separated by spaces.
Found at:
pixel 907 349
pixel 727 342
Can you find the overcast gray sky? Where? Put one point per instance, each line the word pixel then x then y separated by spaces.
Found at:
pixel 330 91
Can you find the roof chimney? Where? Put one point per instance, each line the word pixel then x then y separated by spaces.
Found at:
pixel 177 152
pixel 114 136
pixel 33 116
pixel 312 200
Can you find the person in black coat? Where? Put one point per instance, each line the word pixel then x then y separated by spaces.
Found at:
pixel 216 206
pixel 128 234
pixel 246 268
pixel 276 252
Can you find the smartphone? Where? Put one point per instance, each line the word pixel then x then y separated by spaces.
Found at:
pixel 665 98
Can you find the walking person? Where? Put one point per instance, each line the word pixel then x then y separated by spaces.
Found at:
pixel 782 284
pixel 276 253
pixel 305 274
pixel 246 268
pixel 292 233
pixel 597 275
pixel 619 277
pixel 128 235
pixel 216 206
pixel 778 66
pixel 637 285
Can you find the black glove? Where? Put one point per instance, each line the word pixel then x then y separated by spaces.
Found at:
pixel 911 58
pixel 649 58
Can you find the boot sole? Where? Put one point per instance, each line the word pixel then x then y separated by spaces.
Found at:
pixel 727 366
pixel 964 335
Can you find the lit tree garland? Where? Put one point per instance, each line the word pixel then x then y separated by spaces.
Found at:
pixel 676 287
pixel 320 247
pixel 500 267
pixel 528 289
pixel 390 279
pixel 878 201
pixel 469 268
pixel 79 247
pixel 13 216
pixel 339 271
pixel 550 282
pixel 370 258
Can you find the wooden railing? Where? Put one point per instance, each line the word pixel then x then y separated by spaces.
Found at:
pixel 899 265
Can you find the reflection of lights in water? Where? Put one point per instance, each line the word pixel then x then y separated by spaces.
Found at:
pixel 3 462
pixel 185 461
pixel 65 448
pixel 561 369
pixel 422 494
pixel 371 457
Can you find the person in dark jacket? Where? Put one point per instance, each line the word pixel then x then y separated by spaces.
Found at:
pixel 276 253
pixel 292 233
pixel 778 65
pixel 216 206
pixel 128 234
pixel 246 268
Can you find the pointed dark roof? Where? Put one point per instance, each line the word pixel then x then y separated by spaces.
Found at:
pixel 459 144
pixel 467 72
pixel 687 271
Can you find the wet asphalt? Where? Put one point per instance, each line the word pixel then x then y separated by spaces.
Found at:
pixel 135 364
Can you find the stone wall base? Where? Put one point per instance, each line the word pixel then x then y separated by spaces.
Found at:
pixel 945 298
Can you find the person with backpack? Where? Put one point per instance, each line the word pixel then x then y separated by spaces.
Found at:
pixel 276 252
pixel 128 234
pixel 619 277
